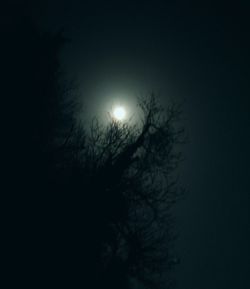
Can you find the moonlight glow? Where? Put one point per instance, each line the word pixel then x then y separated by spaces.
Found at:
pixel 119 113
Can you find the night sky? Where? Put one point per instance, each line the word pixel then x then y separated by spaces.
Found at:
pixel 195 52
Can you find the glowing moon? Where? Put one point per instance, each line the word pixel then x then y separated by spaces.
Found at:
pixel 119 113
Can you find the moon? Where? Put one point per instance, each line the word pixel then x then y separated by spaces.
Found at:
pixel 119 113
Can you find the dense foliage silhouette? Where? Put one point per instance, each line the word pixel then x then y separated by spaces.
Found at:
pixel 92 206
pixel 128 173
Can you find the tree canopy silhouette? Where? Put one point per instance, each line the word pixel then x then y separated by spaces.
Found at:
pixel 93 205
pixel 126 185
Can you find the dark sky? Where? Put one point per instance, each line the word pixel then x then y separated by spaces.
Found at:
pixel 191 51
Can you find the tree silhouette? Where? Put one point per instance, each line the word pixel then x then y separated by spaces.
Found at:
pixel 92 205
pixel 125 180
pixel 34 121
